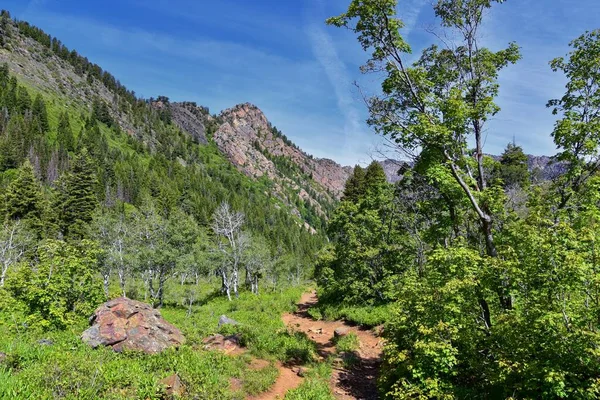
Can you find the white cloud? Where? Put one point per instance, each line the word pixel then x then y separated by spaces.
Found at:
pixel 341 82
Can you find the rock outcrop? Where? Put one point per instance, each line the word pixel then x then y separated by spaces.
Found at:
pixel 128 324
pixel 227 344
pixel 191 118
pixel 249 139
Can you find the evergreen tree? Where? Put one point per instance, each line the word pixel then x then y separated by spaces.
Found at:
pixel 101 113
pixel 41 113
pixel 354 188
pixel 64 134
pixel 77 199
pixel 375 179
pixel 23 100
pixel 23 196
pixel 13 144
pixel 514 170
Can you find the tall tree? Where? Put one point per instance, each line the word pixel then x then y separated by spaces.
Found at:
pixel 14 241
pixel 514 170
pixel 161 244
pixel 41 114
pixel 64 133
pixel 435 108
pixel 23 100
pixel 114 232
pixel 231 242
pixel 76 199
pixel 354 187
pixel 577 133
pixel 257 260
pixel 24 199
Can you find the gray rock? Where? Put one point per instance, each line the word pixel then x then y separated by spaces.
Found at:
pixel 224 320
pixel 45 342
pixel 341 331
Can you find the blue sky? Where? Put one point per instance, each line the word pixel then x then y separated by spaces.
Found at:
pixel 279 55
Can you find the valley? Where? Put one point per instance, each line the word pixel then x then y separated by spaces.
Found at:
pixel 155 249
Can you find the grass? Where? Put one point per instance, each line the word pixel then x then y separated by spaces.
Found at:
pixel 260 380
pixel 367 316
pixel 347 343
pixel 69 369
pixel 315 386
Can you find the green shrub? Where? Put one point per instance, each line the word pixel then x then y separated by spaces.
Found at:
pixel 347 343
pixel 61 287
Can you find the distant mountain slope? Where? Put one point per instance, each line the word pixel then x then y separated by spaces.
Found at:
pixel 309 187
pixel 142 148
pixel 542 167
pixel 258 149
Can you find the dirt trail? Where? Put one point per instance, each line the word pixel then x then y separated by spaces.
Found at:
pixel 358 382
pixel 288 379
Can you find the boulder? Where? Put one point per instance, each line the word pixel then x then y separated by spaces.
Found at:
pixel 341 332
pixel 225 320
pixel 128 324
pixel 227 344
pixel 174 386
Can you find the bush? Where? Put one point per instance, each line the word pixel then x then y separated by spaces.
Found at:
pixel 347 343
pixel 60 287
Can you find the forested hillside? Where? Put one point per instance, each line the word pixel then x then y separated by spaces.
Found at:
pixel 150 249
pixel 84 159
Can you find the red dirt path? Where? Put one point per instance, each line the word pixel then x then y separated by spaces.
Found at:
pixel 355 383
pixel 358 382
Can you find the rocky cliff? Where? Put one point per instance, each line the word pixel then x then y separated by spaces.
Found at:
pixel 245 135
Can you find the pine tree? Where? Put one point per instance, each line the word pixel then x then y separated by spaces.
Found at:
pixel 23 100
pixel 24 200
pixel 77 199
pixel 41 113
pixel 375 178
pixel 13 146
pixel 355 185
pixel 23 195
pixel 64 135
pixel 514 170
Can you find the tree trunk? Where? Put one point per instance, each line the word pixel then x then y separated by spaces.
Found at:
pixel 225 284
pixel 248 281
pixel 3 275
pixel 122 281
pixel 161 288
pixel 235 283
pixel 105 279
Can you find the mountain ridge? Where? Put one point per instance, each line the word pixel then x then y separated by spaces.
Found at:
pixel 309 186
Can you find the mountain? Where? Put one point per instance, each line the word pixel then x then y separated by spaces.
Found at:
pixel 176 156
pixel 304 186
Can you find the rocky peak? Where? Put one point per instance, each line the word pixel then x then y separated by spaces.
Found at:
pixel 246 114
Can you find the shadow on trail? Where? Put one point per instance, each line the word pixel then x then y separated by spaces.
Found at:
pixel 355 374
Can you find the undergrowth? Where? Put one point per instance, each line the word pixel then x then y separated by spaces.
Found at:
pixel 69 369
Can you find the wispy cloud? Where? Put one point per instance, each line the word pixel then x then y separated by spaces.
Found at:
pixel 409 11
pixel 542 30
pixel 341 82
